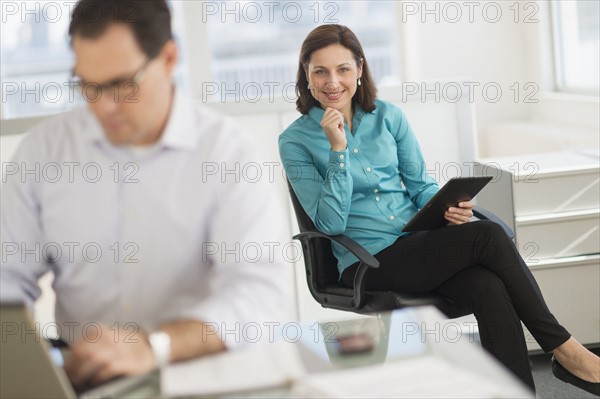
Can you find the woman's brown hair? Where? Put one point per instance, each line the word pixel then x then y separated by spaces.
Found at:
pixel 323 36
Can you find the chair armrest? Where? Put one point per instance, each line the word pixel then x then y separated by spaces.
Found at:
pixel 355 248
pixel 366 261
pixel 485 214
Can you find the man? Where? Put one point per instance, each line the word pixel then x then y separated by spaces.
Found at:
pixel 154 254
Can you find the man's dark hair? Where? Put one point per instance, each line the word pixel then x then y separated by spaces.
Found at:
pixel 150 21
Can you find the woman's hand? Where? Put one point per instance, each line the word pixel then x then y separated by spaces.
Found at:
pixel 333 126
pixel 461 214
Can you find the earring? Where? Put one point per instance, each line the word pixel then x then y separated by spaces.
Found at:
pixel 308 87
pixel 359 82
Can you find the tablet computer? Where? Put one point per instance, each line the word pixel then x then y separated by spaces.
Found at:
pixel 456 190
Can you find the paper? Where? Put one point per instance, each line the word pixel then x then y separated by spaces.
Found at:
pixel 257 367
pixel 424 377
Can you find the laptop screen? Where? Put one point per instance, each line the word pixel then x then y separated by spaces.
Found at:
pixel 27 369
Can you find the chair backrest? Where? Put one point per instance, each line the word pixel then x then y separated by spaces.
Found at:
pixel 320 263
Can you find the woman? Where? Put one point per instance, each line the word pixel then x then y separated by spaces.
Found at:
pixel 357 170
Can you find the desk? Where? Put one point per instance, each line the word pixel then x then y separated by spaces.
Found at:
pixel 406 337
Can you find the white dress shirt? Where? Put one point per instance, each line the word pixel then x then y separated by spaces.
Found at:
pixel 145 236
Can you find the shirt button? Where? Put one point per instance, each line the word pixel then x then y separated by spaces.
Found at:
pixel 376 198
pixel 368 169
pixel 392 217
pixel 341 156
pixel 376 190
pixel 356 151
pixel 341 165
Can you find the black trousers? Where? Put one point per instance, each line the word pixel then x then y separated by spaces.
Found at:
pixel 478 267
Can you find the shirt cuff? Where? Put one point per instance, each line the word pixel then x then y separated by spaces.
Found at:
pixel 339 160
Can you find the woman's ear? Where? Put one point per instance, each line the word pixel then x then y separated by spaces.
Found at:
pixel 360 68
pixel 306 73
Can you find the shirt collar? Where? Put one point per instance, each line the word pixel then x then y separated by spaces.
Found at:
pixel 93 129
pixel 178 132
pixel 316 113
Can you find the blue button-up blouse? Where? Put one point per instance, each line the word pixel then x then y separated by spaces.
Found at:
pixel 367 192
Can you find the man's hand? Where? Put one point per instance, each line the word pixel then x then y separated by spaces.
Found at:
pixel 461 214
pixel 115 353
pixel 333 126
pixel 123 352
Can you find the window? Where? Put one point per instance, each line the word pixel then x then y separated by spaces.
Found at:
pixel 576 43
pixel 250 43
pixel 36 58
pixel 255 45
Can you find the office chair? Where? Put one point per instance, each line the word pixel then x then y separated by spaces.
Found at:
pixel 323 278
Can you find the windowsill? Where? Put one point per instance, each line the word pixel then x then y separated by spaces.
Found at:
pixel 570 97
pixel 20 125
pixel 571 110
pixel 558 121
pixel 536 136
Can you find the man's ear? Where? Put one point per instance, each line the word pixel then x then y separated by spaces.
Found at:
pixel 170 54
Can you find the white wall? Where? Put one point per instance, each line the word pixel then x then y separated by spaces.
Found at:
pixel 481 51
pixel 504 53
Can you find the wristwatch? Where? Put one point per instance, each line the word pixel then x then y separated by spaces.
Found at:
pixel 160 342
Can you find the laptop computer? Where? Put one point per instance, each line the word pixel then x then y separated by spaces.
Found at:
pixel 28 369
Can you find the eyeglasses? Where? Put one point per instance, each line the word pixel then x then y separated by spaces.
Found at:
pixel 121 90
